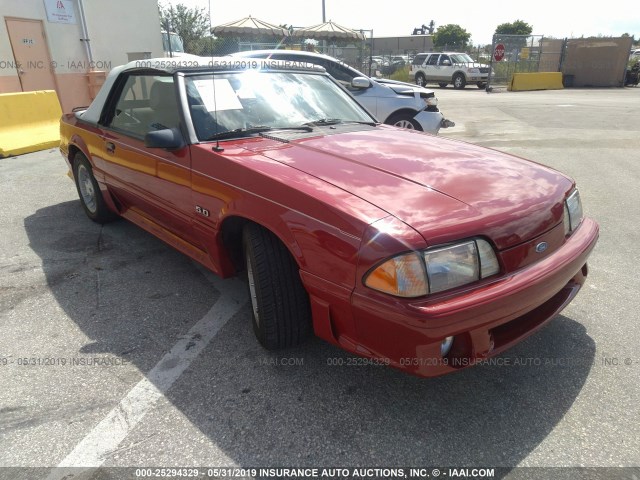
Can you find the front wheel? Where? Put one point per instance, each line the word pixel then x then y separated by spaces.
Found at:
pixel 459 82
pixel 280 305
pixel 404 120
pixel 481 85
pixel 421 80
pixel 89 191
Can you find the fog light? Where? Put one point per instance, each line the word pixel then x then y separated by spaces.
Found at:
pixel 445 346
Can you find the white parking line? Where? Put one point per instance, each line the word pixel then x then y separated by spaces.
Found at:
pixel 105 438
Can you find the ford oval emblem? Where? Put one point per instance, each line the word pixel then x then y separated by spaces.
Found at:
pixel 541 247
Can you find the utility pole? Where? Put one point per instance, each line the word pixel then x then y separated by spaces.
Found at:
pixel 324 19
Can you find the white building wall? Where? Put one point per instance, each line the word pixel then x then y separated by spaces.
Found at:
pixel 117 27
pixel 63 39
pixel 114 27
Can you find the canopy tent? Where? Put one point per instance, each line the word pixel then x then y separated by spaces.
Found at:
pixel 329 31
pixel 249 26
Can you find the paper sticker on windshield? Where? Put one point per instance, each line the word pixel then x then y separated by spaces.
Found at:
pixel 224 97
pixel 245 92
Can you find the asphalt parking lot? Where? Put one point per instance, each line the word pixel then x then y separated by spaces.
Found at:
pixel 118 351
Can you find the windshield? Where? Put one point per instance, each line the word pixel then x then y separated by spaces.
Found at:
pixel 176 43
pixel 252 101
pixel 461 58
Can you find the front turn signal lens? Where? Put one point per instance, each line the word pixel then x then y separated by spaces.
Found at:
pixel 402 276
pixel 574 206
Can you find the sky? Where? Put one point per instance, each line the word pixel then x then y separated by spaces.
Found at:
pixel 554 18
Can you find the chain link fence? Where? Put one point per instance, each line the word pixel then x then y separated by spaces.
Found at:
pixel 356 53
pixel 513 54
pixel 583 62
pixel 364 55
pixel 359 54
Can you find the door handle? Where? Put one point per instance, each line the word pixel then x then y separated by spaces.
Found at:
pixel 111 148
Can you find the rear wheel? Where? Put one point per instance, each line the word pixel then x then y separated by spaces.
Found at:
pixel 404 120
pixel 459 82
pixel 280 305
pixel 421 80
pixel 89 191
pixel 481 85
pixel 443 84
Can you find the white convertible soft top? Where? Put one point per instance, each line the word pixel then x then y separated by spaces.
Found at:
pixel 170 65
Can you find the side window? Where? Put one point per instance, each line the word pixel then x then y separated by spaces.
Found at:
pixel 443 59
pixel 433 59
pixel 339 72
pixel 419 59
pixel 146 103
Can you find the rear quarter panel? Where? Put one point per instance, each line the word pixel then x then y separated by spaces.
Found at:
pixel 76 135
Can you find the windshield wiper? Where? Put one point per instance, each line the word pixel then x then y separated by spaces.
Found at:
pixel 324 121
pixel 335 121
pixel 246 132
pixel 360 122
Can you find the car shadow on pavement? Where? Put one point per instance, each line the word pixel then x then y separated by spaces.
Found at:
pixel 314 405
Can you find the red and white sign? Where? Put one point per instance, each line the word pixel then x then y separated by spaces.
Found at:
pixel 498 53
pixel 60 11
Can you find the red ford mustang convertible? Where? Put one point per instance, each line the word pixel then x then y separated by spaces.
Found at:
pixel 423 253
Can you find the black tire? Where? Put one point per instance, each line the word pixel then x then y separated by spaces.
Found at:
pixel 481 85
pixel 443 84
pixel 281 314
pixel 421 80
pixel 89 192
pixel 459 81
pixel 404 120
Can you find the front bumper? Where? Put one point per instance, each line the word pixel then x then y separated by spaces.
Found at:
pixel 478 77
pixel 484 321
pixel 432 122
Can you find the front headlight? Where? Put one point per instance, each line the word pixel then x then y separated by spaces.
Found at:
pixel 431 101
pixel 572 212
pixel 474 70
pixel 435 269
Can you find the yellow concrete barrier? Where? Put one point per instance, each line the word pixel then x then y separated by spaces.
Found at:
pixel 536 81
pixel 29 121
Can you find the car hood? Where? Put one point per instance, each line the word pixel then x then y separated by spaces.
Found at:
pixel 444 189
pixel 401 87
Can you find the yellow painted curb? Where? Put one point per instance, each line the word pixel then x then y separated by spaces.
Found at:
pixel 536 81
pixel 29 121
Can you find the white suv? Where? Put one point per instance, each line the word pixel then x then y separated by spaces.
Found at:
pixel 444 68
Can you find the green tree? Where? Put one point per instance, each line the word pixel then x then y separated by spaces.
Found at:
pixel 451 35
pixel 192 24
pixel 519 27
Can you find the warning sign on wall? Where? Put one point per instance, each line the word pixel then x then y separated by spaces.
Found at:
pixel 60 11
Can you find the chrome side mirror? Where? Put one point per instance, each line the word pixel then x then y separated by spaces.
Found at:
pixel 360 82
